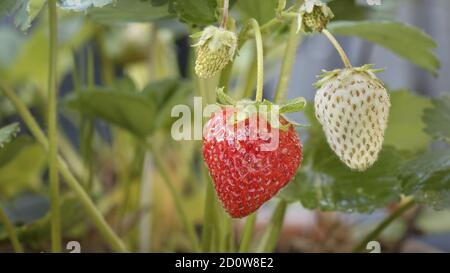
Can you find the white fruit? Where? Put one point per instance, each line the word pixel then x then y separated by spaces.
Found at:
pixel 352 105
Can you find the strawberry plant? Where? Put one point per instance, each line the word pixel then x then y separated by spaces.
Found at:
pixel 152 125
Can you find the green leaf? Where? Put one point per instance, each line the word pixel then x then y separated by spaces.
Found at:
pixel 35 223
pixel 130 110
pixel 11 45
pixel 406 41
pixel 195 12
pixel 437 119
pixel 428 178
pixel 7 133
pixel 7 6
pixel 12 149
pixel 325 182
pixel 167 94
pixel 31 64
pixel 406 128
pixel 292 106
pixel 23 172
pixel 139 112
pixel 24 11
pixel 352 10
pixel 82 5
pixel 129 11
pixel 262 11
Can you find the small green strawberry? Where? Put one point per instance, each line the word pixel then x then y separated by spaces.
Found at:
pixel 215 49
pixel 352 105
pixel 314 16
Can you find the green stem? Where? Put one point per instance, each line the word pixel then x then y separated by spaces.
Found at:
pixel 338 47
pixel 11 231
pixel 288 61
pixel 226 4
pixel 95 215
pixel 176 197
pixel 87 124
pixel 279 19
pixel 248 233
pixel 209 213
pixel 106 63
pixel 212 227
pixel 384 224
pixel 260 58
pixel 52 129
pixel 227 233
pixel 272 233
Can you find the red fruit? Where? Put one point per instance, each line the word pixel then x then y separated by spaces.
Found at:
pixel 244 174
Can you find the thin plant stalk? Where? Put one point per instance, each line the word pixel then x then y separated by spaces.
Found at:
pixel 338 47
pixel 146 193
pixel 52 130
pixel 288 61
pixel 209 213
pixel 9 227
pixel 248 233
pixel 87 124
pixel 272 233
pixel 384 224
pixel 226 4
pixel 260 59
pixel 102 226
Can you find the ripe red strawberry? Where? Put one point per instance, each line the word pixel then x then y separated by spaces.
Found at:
pixel 245 174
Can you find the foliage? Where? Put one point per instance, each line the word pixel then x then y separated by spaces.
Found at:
pixel 131 148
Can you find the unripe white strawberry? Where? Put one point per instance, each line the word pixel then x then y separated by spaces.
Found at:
pixel 352 105
pixel 215 50
pixel 314 16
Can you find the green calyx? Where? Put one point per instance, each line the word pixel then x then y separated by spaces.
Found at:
pixel 247 108
pixel 347 73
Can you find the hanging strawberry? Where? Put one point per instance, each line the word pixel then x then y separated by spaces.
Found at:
pixel 249 147
pixel 215 49
pixel 314 16
pixel 250 154
pixel 352 105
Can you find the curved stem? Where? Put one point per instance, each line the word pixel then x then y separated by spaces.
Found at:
pixel 260 58
pixel 226 4
pixel 11 231
pixel 248 233
pixel 338 48
pixel 384 224
pixel 95 215
pixel 288 61
pixel 176 197
pixel 52 129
